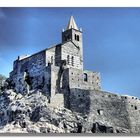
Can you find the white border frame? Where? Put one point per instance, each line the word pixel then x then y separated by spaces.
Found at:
pixel 69 3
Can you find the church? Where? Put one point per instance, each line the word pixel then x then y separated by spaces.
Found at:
pixel 58 72
pixel 54 68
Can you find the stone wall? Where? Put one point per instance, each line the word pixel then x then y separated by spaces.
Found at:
pixel 57 100
pixel 69 35
pixel 100 106
pixel 77 79
pixel 34 66
pixel 70 49
pixel 38 67
pixel 50 56
pixel 133 107
pixel 56 78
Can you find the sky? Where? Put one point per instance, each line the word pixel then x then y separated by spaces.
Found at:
pixel 111 40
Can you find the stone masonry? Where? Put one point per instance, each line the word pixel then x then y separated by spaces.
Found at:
pixel 45 69
pixel 58 72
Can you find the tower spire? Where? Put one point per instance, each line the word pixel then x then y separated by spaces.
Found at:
pixel 72 24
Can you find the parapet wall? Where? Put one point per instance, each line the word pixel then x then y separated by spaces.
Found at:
pixel 105 107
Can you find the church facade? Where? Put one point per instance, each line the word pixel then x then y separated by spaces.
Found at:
pixel 58 72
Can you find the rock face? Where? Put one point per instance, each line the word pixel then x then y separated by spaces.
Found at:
pixel 2 81
pixel 30 113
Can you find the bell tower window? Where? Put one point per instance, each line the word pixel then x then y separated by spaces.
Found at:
pixel 76 37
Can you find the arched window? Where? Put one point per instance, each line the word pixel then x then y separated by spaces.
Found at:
pixel 72 61
pixel 68 59
pixel 85 77
pixel 76 37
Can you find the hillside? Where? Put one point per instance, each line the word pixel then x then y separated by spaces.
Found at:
pixel 32 114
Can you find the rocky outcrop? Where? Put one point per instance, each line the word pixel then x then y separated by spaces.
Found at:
pixel 2 82
pixel 31 113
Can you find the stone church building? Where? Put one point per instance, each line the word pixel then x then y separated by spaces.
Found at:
pixel 58 72
pixel 56 67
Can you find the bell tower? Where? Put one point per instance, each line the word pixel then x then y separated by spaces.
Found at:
pixel 73 34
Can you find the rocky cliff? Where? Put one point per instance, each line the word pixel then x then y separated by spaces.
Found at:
pixel 31 113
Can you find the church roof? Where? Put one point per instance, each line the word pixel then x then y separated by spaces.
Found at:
pixel 72 24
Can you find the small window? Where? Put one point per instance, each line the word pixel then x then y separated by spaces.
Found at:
pixel 77 37
pixel 100 111
pixel 131 105
pixel 85 77
pixel 72 61
pixel 132 97
pixel 68 59
pixel 125 97
pixel 135 107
